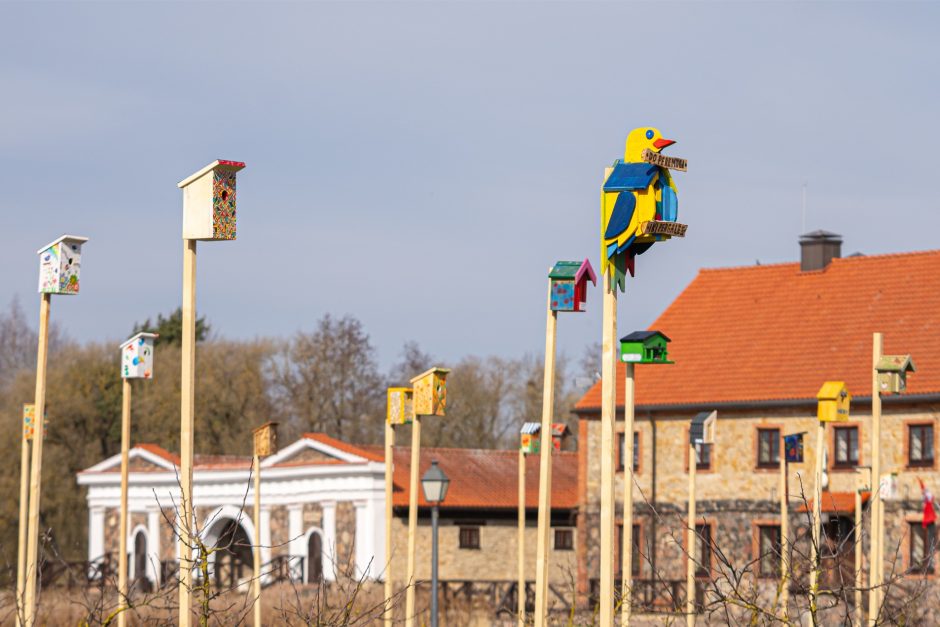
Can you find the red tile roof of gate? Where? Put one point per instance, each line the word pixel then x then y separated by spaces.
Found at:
pixel 773 332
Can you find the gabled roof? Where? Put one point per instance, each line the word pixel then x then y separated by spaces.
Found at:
pixel 70 238
pixel 773 333
pixel 485 478
pixel 575 270
pixel 835 502
pixel 640 336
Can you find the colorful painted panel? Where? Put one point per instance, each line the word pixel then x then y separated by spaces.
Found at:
pixel 793 445
pixel 530 443
pixel 223 204
pixel 430 392
pixel 137 357
pixel 59 267
pixel 29 421
pixel 563 297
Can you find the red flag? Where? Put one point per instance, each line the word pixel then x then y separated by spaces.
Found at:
pixel 930 514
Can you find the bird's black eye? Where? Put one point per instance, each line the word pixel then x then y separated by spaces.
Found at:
pixel 649 134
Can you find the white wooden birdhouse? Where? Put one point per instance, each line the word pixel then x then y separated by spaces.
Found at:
pixel 209 201
pixel 265 439
pixel 400 408
pixel 137 356
pixel 430 392
pixel 60 263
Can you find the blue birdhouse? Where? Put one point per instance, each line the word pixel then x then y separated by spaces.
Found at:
pixel 569 285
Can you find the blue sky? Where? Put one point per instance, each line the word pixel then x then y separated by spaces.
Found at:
pixel 420 166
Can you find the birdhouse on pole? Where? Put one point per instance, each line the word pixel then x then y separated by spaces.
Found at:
pixel 569 285
pixel 560 433
pixel 702 429
pixel 137 356
pixel 265 439
pixel 400 406
pixel 209 201
pixel 60 263
pixel 430 392
pixel 530 438
pixel 29 421
pixel 892 373
pixel 644 347
pixel 833 402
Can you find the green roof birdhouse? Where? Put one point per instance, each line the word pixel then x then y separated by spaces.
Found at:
pixel 569 285
pixel 833 402
pixel 644 347
pixel 892 373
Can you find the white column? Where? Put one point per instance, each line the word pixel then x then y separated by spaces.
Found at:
pixel 295 534
pixel 153 546
pixel 95 533
pixel 364 541
pixel 329 540
pixel 265 522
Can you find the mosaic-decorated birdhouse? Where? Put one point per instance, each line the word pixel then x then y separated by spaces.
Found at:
pixel 265 439
pixel 530 438
pixel 702 429
pixel 430 392
pixel 137 356
pixel 60 263
pixel 833 402
pixel 644 347
pixel 569 285
pixel 793 448
pixel 29 421
pixel 209 201
pixel 892 373
pixel 400 407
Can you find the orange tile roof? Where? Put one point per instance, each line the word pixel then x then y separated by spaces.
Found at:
pixel 765 333
pixel 486 479
pixel 352 449
pixel 835 503
pixel 159 451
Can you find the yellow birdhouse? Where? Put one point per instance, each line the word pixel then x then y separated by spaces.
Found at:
pixel 834 399
pixel 430 392
pixel 892 373
pixel 209 201
pixel 266 439
pixel 400 408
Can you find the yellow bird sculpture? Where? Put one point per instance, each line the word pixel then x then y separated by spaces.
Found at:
pixel 635 193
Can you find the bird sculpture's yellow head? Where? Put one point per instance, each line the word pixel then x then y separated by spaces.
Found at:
pixel 642 138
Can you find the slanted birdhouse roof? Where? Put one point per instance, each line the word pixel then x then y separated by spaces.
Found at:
pixel 139 335
pixel 429 372
pixel 642 336
pixel 831 390
pixel 70 238
pixel 530 428
pixel 266 425
pixel 576 270
pixel 218 163
pixel 895 363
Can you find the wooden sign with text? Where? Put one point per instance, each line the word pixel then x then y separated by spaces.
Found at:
pixel 658 227
pixel 673 163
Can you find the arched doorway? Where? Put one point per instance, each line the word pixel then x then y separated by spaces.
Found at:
pixel 139 565
pixel 232 559
pixel 314 557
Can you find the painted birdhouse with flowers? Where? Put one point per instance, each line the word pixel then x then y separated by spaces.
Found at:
pixel 209 201
pixel 137 356
pixel 60 263
pixel 569 285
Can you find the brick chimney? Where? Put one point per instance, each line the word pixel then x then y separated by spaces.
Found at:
pixel 818 248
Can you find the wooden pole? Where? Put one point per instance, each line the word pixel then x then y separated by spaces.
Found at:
pixel 815 562
pixel 608 416
pixel 875 550
pixel 21 543
pixel 412 521
pixel 690 542
pixel 35 475
pixel 543 543
pixel 122 537
pixel 520 542
pixel 187 431
pixel 256 558
pixel 858 557
pixel 626 593
pixel 389 511
pixel 784 531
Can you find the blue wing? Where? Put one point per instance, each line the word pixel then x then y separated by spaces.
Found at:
pixel 630 177
pixel 621 216
pixel 670 209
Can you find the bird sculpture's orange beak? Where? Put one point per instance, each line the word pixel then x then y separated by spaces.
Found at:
pixel 662 143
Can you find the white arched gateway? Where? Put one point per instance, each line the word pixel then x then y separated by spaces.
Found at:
pixel 316 480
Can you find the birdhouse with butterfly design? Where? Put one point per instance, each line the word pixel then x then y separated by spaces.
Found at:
pixel 833 402
pixel 265 439
pixel 400 406
pixel 569 285
pixel 209 201
pixel 60 264
pixel 430 392
pixel 137 356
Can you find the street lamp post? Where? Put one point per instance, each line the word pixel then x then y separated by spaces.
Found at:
pixel 434 484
